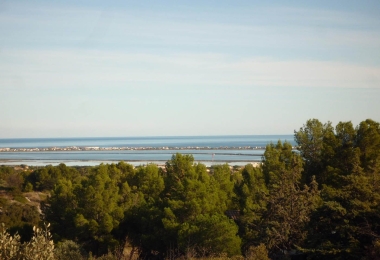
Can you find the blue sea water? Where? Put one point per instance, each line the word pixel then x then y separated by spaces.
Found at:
pixel 159 141
pixel 230 151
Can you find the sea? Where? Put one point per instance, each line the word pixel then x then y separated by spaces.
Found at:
pixel 90 151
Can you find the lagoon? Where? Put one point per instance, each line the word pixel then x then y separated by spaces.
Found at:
pixel 234 150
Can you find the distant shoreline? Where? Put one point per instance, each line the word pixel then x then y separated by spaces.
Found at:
pixel 54 162
pixel 97 148
pixel 233 150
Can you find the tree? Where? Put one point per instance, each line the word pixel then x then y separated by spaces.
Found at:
pixel 346 155
pixel 99 210
pixel 142 223
pixel 190 209
pixel 149 181
pixel 277 159
pixel 45 178
pixel 251 192
pixel 348 221
pixel 210 235
pixel 61 208
pixel 368 141
pixel 69 250
pixel 88 211
pixel 283 225
pixel 221 180
pixel 314 142
pixel 259 252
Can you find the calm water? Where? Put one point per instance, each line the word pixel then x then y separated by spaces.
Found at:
pixel 229 155
pixel 170 141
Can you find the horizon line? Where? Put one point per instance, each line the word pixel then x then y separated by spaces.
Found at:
pixel 142 136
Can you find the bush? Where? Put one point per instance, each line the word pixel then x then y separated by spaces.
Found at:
pixel 69 250
pixel 9 245
pixel 259 252
pixel 28 187
pixel 39 247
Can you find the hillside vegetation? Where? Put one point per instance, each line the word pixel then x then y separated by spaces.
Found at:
pixel 320 202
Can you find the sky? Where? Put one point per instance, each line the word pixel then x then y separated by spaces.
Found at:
pixel 164 68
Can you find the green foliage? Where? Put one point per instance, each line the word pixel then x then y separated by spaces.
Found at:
pixel 45 178
pixel 149 182
pixel 69 250
pixel 210 235
pixel 89 210
pixel 251 192
pixel 181 208
pixel 259 252
pixel 61 208
pixel 368 141
pixel 142 223
pixel 288 205
pixel 19 218
pixel 15 181
pixel 6 171
pixel 316 143
pixel 276 160
pixel 278 209
pixel 347 222
pixel 192 209
pixel 28 187
pixel 223 184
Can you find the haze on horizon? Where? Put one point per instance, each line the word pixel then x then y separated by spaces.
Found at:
pixel 177 68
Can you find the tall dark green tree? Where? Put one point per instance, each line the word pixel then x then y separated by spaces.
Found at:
pixel 190 202
pixel 61 209
pixel 221 180
pixel 142 224
pixel 251 194
pixel 316 144
pixel 89 211
pixel 288 204
pixel 181 209
pixel 368 141
pixel 347 223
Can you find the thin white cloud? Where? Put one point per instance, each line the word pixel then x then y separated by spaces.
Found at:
pixel 87 69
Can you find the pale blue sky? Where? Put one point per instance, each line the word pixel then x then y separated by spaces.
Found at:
pixel 121 68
